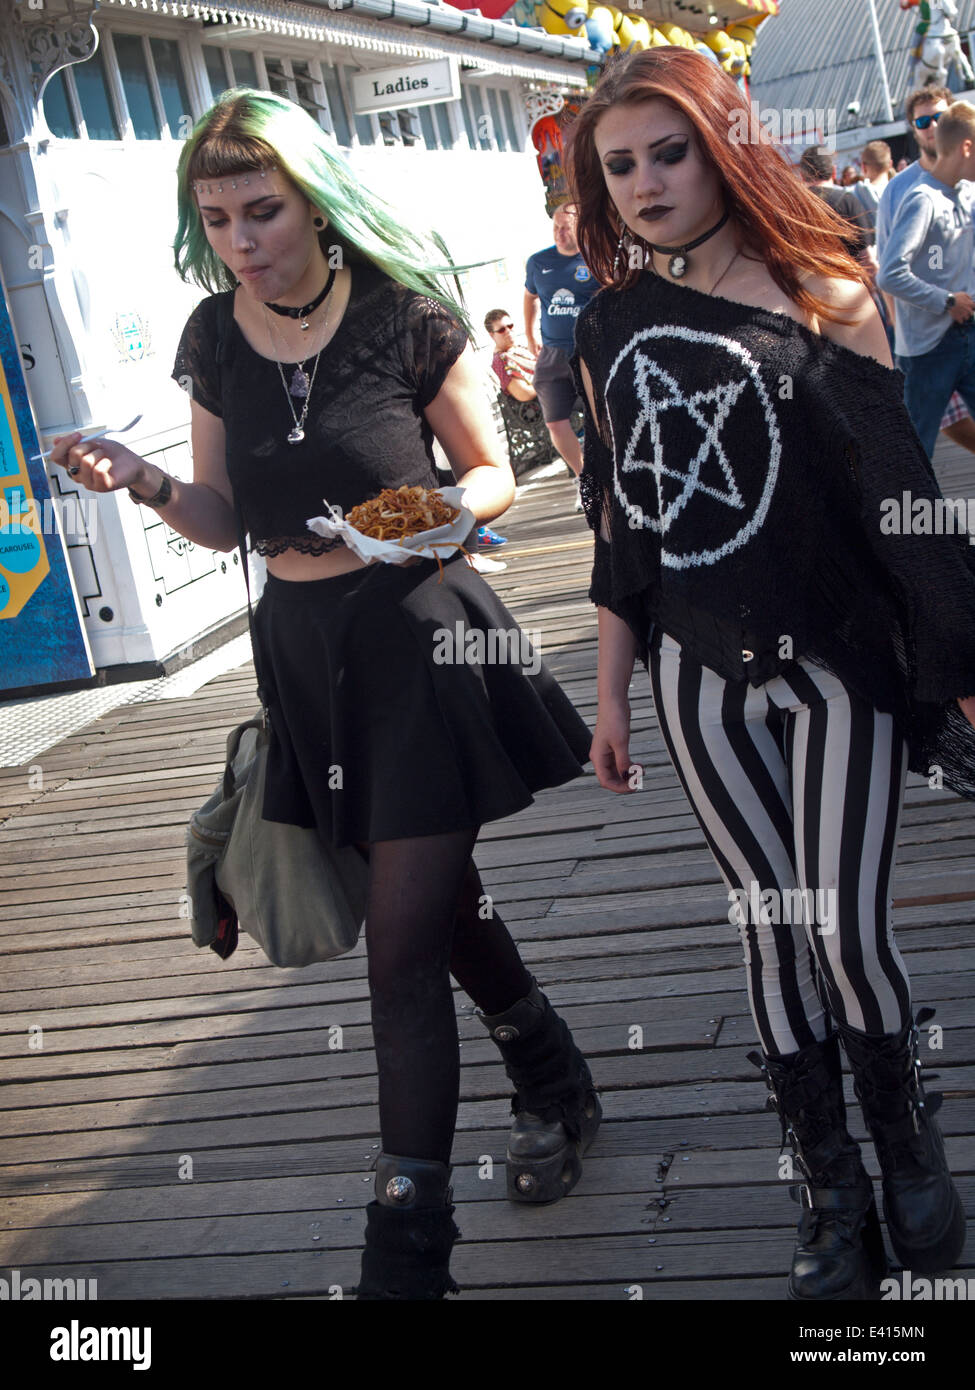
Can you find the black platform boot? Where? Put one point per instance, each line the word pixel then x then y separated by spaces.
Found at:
pixel 840 1252
pixel 556 1109
pixel 410 1232
pixel 925 1217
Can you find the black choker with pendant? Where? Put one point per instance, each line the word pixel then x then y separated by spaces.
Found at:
pixel 678 265
pixel 287 312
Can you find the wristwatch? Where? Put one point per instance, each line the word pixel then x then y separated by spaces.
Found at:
pixel 158 499
pixel 950 302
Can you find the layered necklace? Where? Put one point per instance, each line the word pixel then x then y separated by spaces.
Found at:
pixel 301 382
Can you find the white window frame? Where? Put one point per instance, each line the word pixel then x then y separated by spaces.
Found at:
pixel 287 61
pixel 454 120
pixel 116 89
pixel 116 99
pixel 139 32
pixel 340 63
pixel 465 93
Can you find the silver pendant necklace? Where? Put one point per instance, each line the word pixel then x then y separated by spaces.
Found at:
pixel 301 383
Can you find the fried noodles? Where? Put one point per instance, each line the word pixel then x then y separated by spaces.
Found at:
pixel 400 512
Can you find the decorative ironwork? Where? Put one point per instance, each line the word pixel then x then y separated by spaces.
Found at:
pixel 529 442
pixel 539 104
pixel 55 42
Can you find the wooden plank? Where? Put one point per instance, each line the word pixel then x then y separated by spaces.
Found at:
pixel 153 1048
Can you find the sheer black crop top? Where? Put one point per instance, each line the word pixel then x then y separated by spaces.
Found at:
pixel 365 428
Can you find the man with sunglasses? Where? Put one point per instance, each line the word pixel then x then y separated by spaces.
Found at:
pixel 513 364
pixel 922 110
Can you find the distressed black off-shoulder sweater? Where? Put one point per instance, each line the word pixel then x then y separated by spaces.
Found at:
pixel 739 465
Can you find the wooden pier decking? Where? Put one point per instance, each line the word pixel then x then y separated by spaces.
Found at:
pixel 156 1060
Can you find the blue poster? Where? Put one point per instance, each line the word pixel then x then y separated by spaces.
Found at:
pixel 42 637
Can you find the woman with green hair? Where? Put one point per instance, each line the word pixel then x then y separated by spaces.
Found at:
pixel 321 366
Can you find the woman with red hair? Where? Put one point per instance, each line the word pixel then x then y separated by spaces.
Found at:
pixel 746 440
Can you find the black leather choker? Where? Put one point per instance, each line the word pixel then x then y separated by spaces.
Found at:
pixel 678 265
pixel 287 312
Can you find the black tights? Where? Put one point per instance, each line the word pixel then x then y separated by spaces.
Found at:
pixel 424 924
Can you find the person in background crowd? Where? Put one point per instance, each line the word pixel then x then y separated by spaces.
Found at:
pixel 878 170
pixel 927 266
pixel 816 170
pixel 513 364
pixel 902 164
pixel 850 177
pixel 558 285
pixel 923 108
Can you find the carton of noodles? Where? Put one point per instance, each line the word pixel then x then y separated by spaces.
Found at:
pixel 396 526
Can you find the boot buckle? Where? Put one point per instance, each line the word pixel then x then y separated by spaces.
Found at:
pixel 400 1190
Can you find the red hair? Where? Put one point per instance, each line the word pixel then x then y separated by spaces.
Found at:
pixel 789 227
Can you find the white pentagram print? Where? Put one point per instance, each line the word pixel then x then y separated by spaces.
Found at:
pixel 696 444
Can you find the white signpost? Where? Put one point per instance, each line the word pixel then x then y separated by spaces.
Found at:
pixel 408 84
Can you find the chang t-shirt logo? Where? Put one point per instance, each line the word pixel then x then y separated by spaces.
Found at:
pixel 564 302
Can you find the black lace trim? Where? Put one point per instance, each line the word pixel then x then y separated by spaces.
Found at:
pixel 306 545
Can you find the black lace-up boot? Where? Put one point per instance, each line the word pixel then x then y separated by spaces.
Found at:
pixel 556 1109
pixel 925 1217
pixel 410 1232
pixel 840 1251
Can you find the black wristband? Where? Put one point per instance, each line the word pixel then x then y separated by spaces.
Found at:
pixel 158 499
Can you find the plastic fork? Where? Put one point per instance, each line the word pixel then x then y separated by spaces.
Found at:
pixel 122 429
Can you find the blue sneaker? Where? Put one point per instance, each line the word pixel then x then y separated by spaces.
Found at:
pixel 488 539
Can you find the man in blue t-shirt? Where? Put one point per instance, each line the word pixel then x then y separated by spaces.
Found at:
pixel 559 284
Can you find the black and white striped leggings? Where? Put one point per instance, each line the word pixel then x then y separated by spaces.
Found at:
pixel 797 785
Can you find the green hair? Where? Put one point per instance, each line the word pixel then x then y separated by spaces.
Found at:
pixel 245 131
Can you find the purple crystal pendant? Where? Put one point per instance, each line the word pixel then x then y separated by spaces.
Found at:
pixel 299 383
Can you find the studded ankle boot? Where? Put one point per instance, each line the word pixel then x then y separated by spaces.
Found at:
pixel 839 1252
pixel 925 1217
pixel 410 1232
pixel 556 1109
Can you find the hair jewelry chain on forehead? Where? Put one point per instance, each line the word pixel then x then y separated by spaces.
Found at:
pixel 679 264
pixel 213 186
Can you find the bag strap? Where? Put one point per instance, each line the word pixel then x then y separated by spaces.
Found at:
pixel 225 314
pixel 233 747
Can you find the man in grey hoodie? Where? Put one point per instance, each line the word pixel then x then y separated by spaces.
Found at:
pixel 928 265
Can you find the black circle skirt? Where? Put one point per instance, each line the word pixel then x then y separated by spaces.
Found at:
pixel 403 704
